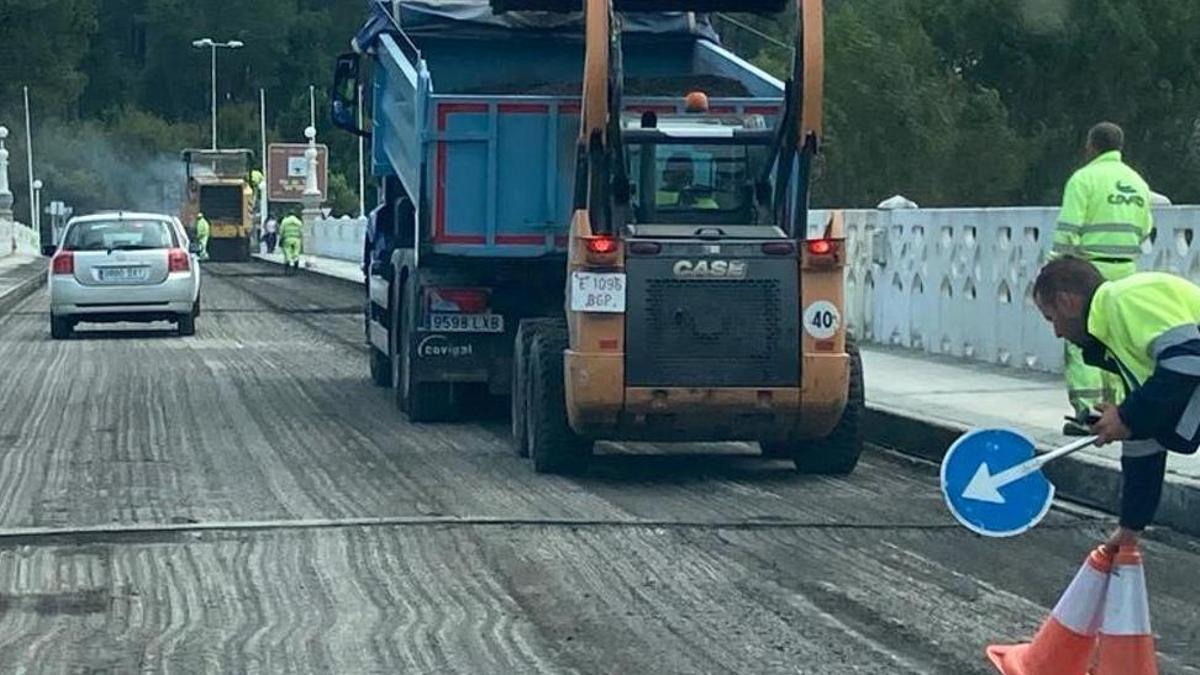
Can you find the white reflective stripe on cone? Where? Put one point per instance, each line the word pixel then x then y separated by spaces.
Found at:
pixel 1127 609
pixel 1080 609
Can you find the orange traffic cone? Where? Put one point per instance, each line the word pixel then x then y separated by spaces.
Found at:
pixel 1126 643
pixel 1066 641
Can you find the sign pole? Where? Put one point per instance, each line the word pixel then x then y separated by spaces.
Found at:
pixel 262 107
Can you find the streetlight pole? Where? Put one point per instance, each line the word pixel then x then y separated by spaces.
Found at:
pixel 213 46
pixel 29 156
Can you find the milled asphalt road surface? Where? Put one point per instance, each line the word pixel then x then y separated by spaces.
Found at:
pixel 312 529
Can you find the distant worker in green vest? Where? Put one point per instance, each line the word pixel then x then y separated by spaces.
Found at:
pixel 203 230
pixel 291 238
pixel 1144 330
pixel 678 189
pixel 1105 218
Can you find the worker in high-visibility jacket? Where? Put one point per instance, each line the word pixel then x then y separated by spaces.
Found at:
pixel 1144 329
pixel 678 189
pixel 203 231
pixel 291 240
pixel 1105 218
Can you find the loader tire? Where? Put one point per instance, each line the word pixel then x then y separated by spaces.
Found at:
pixel 837 453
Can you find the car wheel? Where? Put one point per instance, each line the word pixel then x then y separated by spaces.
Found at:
pixel 60 327
pixel 187 324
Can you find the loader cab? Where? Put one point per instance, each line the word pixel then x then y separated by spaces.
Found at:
pixel 688 170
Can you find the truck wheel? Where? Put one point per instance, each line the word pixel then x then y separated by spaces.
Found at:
pixel 520 384
pixel 553 444
pixel 837 453
pixel 423 401
pixel 60 327
pixel 381 368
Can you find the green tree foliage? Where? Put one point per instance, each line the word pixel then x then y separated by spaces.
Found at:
pixel 950 102
pixel 981 102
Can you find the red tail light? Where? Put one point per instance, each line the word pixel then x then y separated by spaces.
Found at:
pixel 64 263
pixel 459 300
pixel 820 247
pixel 178 260
pixel 602 245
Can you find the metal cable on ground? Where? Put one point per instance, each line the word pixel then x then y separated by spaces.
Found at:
pixel 92 533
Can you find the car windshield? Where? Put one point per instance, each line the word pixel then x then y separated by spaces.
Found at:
pixel 695 183
pixel 108 235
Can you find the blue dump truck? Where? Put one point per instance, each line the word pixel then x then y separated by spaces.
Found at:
pixel 474 120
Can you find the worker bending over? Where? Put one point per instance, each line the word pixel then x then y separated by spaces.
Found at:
pixel 1143 329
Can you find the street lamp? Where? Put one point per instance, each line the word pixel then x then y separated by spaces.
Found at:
pixel 213 46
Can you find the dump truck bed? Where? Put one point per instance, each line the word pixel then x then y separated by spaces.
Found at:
pixel 485 130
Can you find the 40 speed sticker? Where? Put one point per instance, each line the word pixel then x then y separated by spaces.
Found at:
pixel 821 319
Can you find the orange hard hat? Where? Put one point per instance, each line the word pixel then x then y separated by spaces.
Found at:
pixel 696 101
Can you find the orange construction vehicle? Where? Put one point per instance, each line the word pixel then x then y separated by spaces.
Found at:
pixel 703 299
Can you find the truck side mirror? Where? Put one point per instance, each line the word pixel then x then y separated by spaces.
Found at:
pixel 344 95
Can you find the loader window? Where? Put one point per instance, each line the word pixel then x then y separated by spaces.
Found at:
pixel 695 183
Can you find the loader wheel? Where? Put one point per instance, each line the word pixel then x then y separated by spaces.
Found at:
pixel 520 384
pixel 553 444
pixel 837 453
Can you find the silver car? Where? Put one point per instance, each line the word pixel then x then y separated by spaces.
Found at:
pixel 124 266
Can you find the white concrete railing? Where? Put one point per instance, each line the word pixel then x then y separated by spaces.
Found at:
pixel 340 238
pixel 17 238
pixel 955 282
pixel 958 281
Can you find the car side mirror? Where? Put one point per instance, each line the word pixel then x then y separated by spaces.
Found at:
pixel 195 247
pixel 344 103
pixel 49 250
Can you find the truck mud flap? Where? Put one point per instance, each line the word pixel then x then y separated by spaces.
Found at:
pixel 461 357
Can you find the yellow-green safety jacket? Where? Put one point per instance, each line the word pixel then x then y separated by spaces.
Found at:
pixel 291 228
pixel 672 198
pixel 1146 328
pixel 1105 212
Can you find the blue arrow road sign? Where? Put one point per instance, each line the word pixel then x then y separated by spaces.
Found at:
pixel 990 485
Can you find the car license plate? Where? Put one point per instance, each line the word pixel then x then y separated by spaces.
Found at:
pixel 466 323
pixel 598 292
pixel 124 274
